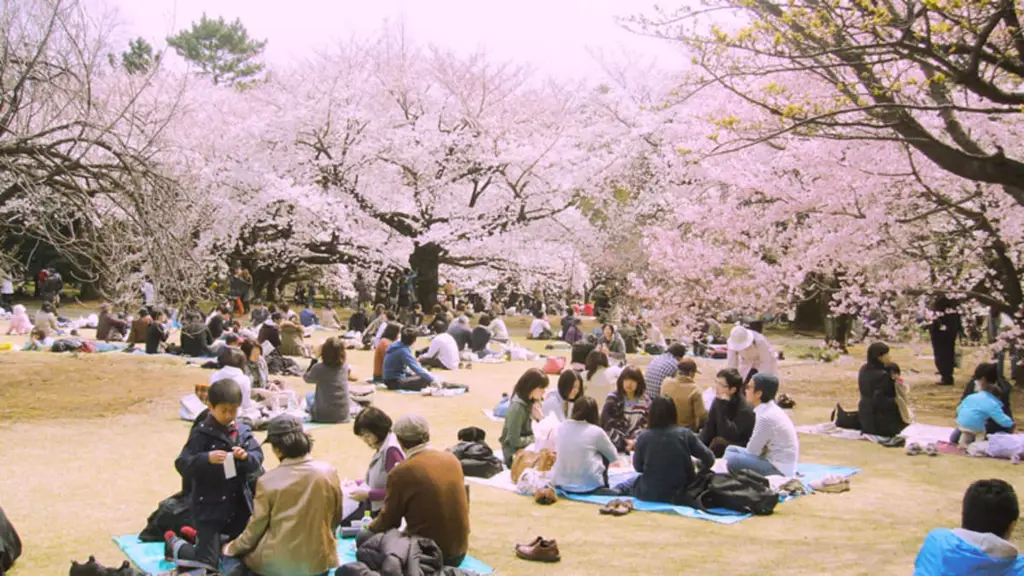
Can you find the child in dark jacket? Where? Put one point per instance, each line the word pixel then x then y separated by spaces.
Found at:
pixel 221 501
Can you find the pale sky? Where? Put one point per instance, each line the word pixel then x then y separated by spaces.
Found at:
pixel 553 35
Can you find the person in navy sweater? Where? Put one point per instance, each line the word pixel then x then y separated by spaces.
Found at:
pixel 401 369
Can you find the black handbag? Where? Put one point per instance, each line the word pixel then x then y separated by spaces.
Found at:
pixel 843 419
pixel 746 492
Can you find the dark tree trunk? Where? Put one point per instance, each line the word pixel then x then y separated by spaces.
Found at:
pixel 89 291
pixel 426 260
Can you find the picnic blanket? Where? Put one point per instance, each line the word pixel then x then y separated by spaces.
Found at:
pixel 149 556
pixel 618 474
pixel 489 413
pixel 922 433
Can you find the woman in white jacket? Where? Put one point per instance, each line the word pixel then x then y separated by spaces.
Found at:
pixel 750 353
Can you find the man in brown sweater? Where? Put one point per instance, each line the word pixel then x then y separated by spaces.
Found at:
pixel 428 490
pixel 687 396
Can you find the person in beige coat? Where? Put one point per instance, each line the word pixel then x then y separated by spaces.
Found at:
pixel 687 396
pixel 296 511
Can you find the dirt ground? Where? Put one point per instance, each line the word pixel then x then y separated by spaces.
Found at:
pixel 88 443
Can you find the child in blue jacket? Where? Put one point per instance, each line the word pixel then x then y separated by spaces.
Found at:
pixel 977 409
pixel 221 505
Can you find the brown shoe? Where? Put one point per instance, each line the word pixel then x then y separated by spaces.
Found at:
pixel 545 496
pixel 543 551
pixel 610 507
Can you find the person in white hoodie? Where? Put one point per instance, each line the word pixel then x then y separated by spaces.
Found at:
pixel 981 545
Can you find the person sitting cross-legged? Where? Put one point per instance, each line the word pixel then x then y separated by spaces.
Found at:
pixel 731 419
pixel 773 448
pixel 427 490
pixel 981 544
pixel 296 511
pixel 399 362
pixel 664 456
pixel 584 452
pixel 442 354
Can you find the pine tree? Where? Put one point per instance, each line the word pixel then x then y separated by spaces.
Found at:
pixel 220 49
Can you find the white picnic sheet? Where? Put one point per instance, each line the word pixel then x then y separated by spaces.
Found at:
pixel 917 432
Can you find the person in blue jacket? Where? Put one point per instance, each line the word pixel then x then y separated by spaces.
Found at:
pixel 981 545
pixel 978 409
pixel 401 370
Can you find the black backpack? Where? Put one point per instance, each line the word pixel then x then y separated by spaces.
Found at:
pixel 746 492
pixel 10 544
pixel 171 514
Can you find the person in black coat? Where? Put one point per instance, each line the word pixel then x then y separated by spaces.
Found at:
pixel 944 331
pixel 270 332
pixel 196 339
pixel 156 334
pixel 879 414
pixel 220 505
pixel 358 321
pixel 217 323
pixel 731 419
pixel 481 337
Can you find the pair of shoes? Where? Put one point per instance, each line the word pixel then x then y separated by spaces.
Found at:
pixel 793 487
pixel 545 496
pixel 540 550
pixel 832 484
pixel 913 449
pixel 618 507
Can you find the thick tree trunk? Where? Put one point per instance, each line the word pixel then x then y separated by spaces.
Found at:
pixel 426 260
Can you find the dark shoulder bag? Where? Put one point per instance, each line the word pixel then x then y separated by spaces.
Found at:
pixel 843 419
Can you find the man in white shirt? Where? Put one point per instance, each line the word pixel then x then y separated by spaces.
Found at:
pixel 7 292
pixel 773 448
pixel 443 353
pixel 750 353
pixel 148 293
pixel 540 329
pixel 233 360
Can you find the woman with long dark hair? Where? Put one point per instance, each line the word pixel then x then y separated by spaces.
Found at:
pixel 624 414
pixel 879 413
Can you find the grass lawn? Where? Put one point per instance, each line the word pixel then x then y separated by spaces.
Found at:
pixel 88 444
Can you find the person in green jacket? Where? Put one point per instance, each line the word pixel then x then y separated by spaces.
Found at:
pixel 524 408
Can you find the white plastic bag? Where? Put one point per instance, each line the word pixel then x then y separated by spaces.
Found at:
pixel 532 480
pixel 1005 445
pixel 545 433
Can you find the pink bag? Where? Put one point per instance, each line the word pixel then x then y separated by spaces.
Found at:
pixel 554 365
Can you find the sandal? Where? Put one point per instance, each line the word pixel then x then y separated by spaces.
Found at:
pixel 624 507
pixel 610 507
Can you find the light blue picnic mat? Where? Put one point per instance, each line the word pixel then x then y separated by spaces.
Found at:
pixel 149 556
pixel 809 472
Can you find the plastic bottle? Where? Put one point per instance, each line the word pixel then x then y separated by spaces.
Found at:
pixel 364 524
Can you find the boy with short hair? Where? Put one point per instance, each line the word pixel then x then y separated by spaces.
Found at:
pixel 981 545
pixel 977 409
pixel 221 494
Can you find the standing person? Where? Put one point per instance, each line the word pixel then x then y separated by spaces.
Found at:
pixel 524 408
pixel 7 291
pixel 664 366
pixel 363 295
pixel 878 410
pixel 944 331
pixel 774 448
pixel 624 415
pixel 330 402
pixel 220 505
pixel 296 511
pixel 750 353
pixel 731 419
pixel 428 491
pixel 239 291
pixel 148 293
